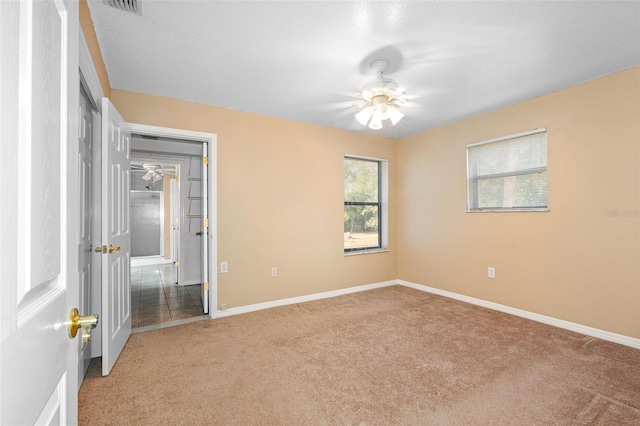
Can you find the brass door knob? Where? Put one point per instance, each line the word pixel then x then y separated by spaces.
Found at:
pixel 76 322
pixel 105 249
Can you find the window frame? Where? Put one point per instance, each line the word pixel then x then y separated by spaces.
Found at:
pixel 382 205
pixel 522 172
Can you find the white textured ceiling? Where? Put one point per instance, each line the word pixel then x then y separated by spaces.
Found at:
pixel 307 60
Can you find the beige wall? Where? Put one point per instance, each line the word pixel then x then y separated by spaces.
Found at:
pixel 280 199
pixel 86 23
pixel 575 262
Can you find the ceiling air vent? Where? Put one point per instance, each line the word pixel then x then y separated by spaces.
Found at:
pixel 131 6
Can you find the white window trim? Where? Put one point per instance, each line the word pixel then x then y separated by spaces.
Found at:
pixel 507 210
pixel 371 251
pixel 513 136
pixel 384 201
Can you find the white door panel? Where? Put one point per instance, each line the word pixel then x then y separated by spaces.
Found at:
pixel 191 223
pixel 175 214
pixel 116 235
pixel 39 212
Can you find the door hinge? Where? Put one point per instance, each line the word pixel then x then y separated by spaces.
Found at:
pixel 176 263
pixel 205 160
pixel 206 222
pixel 206 286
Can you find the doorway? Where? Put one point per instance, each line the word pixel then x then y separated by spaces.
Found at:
pixel 168 199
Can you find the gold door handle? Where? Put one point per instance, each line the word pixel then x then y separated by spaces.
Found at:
pixel 105 249
pixel 76 322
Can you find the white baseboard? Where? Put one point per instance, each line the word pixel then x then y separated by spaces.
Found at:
pixel 567 325
pixel 578 328
pixel 300 299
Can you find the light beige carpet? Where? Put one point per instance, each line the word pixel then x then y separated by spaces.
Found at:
pixel 393 356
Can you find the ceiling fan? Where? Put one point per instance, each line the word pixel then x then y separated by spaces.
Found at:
pixel 382 97
pixel 154 172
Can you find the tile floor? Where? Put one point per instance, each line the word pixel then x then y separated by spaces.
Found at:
pixel 156 298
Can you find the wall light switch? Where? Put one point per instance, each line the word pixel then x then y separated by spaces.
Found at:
pixel 491 272
pixel 274 272
pixel 224 267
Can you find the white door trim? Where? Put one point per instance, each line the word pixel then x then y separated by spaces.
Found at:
pixel 211 140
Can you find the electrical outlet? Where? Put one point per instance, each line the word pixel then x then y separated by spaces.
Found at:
pixel 274 271
pixel 223 307
pixel 224 267
pixel 491 272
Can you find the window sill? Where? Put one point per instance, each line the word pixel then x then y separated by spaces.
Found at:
pixel 358 253
pixel 507 210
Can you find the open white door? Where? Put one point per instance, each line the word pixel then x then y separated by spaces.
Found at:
pixel 39 217
pixel 175 214
pixel 116 235
pixel 205 230
pixel 191 222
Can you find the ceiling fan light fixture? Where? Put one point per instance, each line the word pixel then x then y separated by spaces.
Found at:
pixel 394 115
pixel 376 121
pixel 364 115
pixel 148 176
pixel 380 103
pixel 379 95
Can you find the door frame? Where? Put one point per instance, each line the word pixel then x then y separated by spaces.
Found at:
pixel 211 140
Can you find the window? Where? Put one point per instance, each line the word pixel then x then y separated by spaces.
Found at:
pixel 365 189
pixel 509 173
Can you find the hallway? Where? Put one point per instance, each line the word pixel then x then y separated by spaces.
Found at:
pixel 156 298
